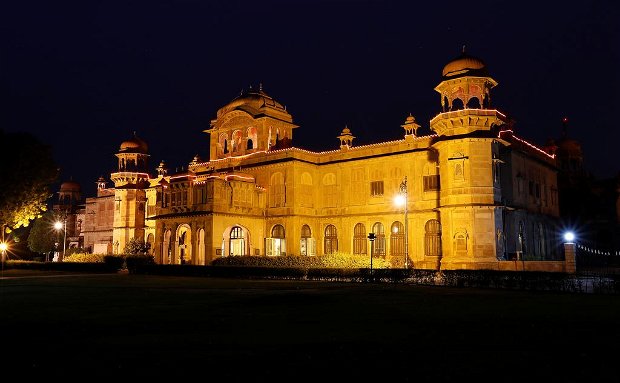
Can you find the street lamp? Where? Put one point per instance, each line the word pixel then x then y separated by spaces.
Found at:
pixel 401 200
pixel 59 225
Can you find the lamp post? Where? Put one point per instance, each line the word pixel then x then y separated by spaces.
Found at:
pixel 59 225
pixel 402 199
pixel 371 237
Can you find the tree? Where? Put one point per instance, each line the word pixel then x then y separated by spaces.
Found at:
pixel 136 246
pixel 41 238
pixel 27 170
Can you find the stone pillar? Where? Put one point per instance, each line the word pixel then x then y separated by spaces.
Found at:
pixel 569 258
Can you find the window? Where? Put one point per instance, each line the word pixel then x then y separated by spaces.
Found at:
pixel 236 140
pixel 431 183
pixel 376 188
pixel 397 239
pixel 359 239
pixel 237 241
pixel 252 138
pixel 432 238
pixel 331 240
pixel 276 244
pixel 308 244
pixel 379 242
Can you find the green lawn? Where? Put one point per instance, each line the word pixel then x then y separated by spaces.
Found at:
pixel 120 325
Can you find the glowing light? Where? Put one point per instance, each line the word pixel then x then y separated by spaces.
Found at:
pixel 57 225
pixel 399 200
pixel 569 236
pixel 3 246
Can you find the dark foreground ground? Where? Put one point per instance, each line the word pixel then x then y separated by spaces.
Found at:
pixel 120 326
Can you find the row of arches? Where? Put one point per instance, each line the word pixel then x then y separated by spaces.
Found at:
pixel 236 242
pixel 238 142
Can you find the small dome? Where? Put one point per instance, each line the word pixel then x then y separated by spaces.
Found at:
pixel 70 186
pixel 464 65
pixel 134 145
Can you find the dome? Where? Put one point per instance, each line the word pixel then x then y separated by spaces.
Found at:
pixel 134 145
pixel 70 186
pixel 255 102
pixel 569 147
pixel 464 65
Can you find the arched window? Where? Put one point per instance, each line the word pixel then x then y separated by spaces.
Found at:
pixel 276 245
pixel 359 239
pixel 330 244
pixel 397 239
pixel 223 143
pixel 252 138
pixel 237 241
pixel 457 104
pixel 460 242
pixel 432 238
pixel 379 231
pixel 307 244
pixel 236 141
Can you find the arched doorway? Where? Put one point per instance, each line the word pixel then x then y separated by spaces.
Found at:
pixel 184 245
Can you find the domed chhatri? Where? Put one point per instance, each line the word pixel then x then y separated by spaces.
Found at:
pixel 464 65
pixel 255 102
pixel 134 145
pixel 70 186
pixel 466 84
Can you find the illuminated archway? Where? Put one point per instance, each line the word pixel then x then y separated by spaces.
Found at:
pixel 183 253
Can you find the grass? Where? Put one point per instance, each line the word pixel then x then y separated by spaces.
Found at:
pixel 154 327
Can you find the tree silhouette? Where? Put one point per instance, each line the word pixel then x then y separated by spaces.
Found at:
pixel 27 170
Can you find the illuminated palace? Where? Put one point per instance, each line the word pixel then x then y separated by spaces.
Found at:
pixel 477 196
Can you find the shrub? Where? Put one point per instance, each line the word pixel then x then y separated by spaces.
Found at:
pixel 114 262
pixel 337 261
pixel 135 262
pixel 84 257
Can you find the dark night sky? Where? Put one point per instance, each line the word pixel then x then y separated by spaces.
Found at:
pixel 82 76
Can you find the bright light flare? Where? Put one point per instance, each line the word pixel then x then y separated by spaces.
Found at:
pixel 399 200
pixel 569 236
pixel 57 225
pixel 3 246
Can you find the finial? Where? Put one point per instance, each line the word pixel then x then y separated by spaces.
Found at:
pixel 260 86
pixel 463 48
